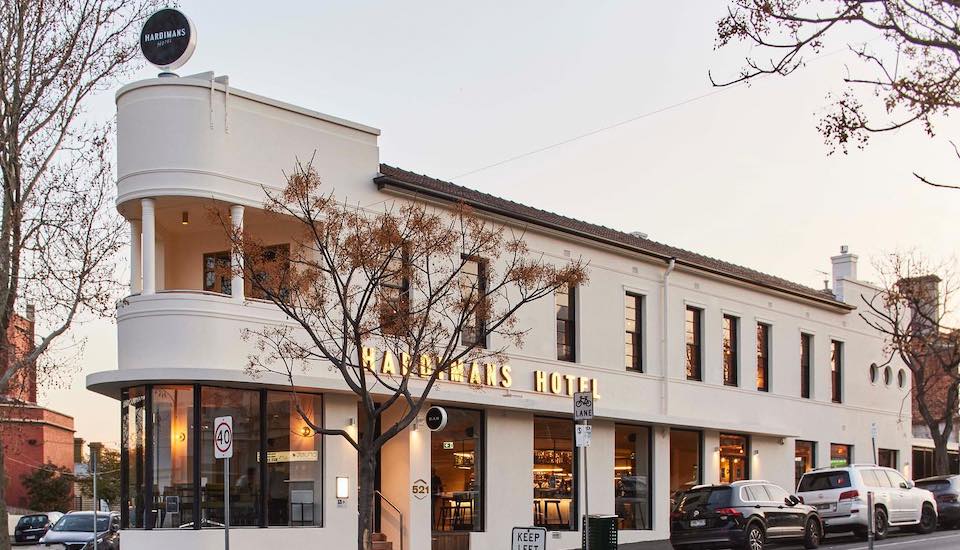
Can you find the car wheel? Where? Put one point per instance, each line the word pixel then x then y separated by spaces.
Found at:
pixel 812 534
pixel 755 538
pixel 881 526
pixel 928 520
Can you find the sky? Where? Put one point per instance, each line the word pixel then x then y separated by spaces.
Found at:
pixel 736 173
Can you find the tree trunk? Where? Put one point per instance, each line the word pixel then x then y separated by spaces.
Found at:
pixel 941 459
pixel 365 503
pixel 4 531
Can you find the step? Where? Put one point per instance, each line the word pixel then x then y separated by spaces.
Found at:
pixel 381 545
pixel 375 537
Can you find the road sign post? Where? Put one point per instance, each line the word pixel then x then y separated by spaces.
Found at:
pixel 223 448
pixel 583 412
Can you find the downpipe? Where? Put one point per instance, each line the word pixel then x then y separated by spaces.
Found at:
pixel 664 362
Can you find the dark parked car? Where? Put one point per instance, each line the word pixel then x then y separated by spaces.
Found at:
pixel 744 514
pixel 30 528
pixel 946 489
pixel 74 531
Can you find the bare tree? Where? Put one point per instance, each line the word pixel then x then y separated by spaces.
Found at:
pixel 911 311
pixel 397 280
pixel 59 231
pixel 908 53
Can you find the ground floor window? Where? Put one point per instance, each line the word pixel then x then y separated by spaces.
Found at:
pixel 840 455
pixel 554 474
pixel 456 471
pixel 631 476
pixel 170 479
pixel 804 459
pixel 923 464
pixel 294 468
pixel 173 453
pixel 888 458
pixel 686 451
pixel 734 464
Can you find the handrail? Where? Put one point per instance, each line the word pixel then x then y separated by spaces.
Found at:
pixel 387 500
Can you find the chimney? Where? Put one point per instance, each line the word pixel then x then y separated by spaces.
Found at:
pixel 923 298
pixel 78 450
pixel 844 267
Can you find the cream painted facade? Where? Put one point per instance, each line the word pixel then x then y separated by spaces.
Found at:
pixel 185 144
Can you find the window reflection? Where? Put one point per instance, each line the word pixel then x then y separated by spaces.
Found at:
pixel 804 459
pixel 631 476
pixel 685 453
pixel 554 487
pixel 244 407
pixel 840 455
pixel 293 460
pixel 132 437
pixel 456 456
pixel 172 456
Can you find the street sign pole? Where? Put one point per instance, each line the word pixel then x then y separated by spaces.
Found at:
pixel 583 412
pixel 226 503
pixel 96 502
pixel 223 448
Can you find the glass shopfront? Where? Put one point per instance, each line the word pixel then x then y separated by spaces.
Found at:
pixel 686 452
pixel 160 464
pixel 734 464
pixel 840 455
pixel 554 474
pixel 631 477
pixel 804 460
pixel 456 471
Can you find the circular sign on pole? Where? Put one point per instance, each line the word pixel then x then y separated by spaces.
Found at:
pixel 223 437
pixel 436 418
pixel 168 39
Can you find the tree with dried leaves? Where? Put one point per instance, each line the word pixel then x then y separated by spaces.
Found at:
pixel 438 289
pixel 59 230
pixel 908 52
pixel 912 311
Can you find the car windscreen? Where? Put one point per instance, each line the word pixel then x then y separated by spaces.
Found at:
pixel 935 486
pixel 71 522
pixel 823 481
pixel 705 497
pixel 32 522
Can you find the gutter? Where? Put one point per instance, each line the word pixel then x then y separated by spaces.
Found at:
pixel 384 181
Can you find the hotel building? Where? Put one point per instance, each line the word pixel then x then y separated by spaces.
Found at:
pixel 704 371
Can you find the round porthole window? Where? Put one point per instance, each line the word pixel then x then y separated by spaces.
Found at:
pixel 902 378
pixel 874 373
pixel 887 376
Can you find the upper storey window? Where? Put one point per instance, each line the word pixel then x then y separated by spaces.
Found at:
pixel 731 349
pixel 268 271
pixel 395 295
pixel 633 345
pixel 566 297
pixel 806 348
pixel 763 357
pixel 836 371
pixel 473 286
pixel 694 336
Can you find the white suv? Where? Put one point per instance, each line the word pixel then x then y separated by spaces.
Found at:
pixel 840 496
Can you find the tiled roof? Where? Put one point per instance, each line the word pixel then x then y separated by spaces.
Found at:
pixel 418 183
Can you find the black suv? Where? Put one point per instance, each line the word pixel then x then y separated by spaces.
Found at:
pixel 744 514
pixel 946 489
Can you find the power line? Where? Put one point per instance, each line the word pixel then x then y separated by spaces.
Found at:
pixel 631 120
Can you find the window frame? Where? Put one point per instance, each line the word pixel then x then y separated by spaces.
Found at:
pixel 733 357
pixel 570 323
pixel 806 367
pixel 650 472
pixel 574 512
pixel 403 293
pixel 836 371
pixel 478 318
pixel 149 450
pixel 764 352
pixel 637 363
pixel 693 372
pixel 483 473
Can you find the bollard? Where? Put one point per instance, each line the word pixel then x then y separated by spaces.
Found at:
pixel 870 520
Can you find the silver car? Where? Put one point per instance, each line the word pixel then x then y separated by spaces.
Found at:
pixel 74 531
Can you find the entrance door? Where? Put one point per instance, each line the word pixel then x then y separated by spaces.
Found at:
pixel 456 479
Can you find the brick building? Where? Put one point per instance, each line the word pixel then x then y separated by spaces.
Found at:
pixel 32 435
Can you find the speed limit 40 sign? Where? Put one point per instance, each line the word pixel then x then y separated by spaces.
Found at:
pixel 223 437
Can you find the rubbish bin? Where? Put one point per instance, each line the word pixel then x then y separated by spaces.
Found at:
pixel 603 532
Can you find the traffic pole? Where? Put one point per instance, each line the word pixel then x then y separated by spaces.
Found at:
pixel 226 503
pixel 96 501
pixel 586 497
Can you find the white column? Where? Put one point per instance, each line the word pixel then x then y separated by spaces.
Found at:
pixel 149 246
pixel 236 260
pixel 135 258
